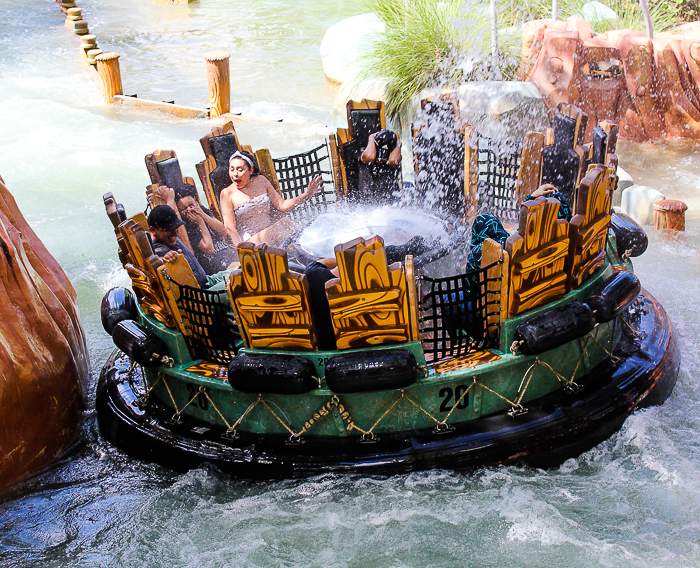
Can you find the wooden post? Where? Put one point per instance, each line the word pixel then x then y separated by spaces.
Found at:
pixel 669 215
pixel 108 68
pixel 218 81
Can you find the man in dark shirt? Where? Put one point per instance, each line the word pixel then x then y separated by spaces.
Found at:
pixel 317 274
pixel 163 223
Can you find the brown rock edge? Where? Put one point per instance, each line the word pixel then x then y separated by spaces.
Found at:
pixel 43 354
pixel 653 93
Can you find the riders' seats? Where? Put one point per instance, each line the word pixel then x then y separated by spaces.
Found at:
pixel 164 169
pixel 219 145
pixel 588 229
pixel 369 303
pixel 364 118
pixel 538 254
pixel 270 301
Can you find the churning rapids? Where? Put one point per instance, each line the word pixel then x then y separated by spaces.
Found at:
pixel 632 501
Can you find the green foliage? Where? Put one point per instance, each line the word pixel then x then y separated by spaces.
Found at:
pixel 664 14
pixel 689 10
pixel 443 43
pixel 428 43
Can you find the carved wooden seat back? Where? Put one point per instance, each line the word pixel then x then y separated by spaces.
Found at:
pixel 364 118
pixel 170 276
pixel 219 144
pixel 156 294
pixel 271 302
pixel 368 303
pixel 164 169
pixel 495 286
pixel 538 254
pixel 144 279
pixel 588 229
pixel 203 316
pixel 116 215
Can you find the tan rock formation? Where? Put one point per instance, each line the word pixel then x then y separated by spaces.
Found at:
pixel 650 87
pixel 43 354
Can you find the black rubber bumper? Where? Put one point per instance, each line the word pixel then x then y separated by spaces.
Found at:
pixel 555 428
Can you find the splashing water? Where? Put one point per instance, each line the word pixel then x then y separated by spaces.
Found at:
pixel 631 501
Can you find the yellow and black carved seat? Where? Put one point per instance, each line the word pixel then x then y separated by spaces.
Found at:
pixel 369 303
pixel 134 252
pixel 271 302
pixel 203 316
pixel 538 253
pixel 588 228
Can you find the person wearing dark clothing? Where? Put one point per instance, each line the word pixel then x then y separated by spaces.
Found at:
pixel 163 223
pixel 551 191
pixel 459 307
pixel 485 226
pixel 317 274
pixel 488 226
pixel 379 173
pixel 208 237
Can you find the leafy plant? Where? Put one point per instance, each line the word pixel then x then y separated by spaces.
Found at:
pixel 429 43
pixel 443 43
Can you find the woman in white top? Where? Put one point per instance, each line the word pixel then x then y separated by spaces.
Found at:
pixel 246 204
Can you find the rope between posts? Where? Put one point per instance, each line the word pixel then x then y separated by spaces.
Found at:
pixel 608 353
pixel 264 402
pixel 162 376
pixel 176 416
pixel 334 402
pixel 203 390
pixel 513 404
pixel 387 411
pixel 423 410
pixel 238 422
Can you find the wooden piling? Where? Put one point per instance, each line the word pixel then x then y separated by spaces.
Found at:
pixel 108 68
pixel 218 82
pixel 669 215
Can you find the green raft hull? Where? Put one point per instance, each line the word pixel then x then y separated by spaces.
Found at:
pixel 461 417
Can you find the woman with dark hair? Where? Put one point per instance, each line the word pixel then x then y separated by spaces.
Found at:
pixel 207 235
pixel 246 204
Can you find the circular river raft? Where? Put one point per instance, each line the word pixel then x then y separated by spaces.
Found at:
pixel 641 372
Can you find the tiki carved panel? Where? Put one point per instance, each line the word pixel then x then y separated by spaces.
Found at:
pixel 538 254
pixel 368 303
pixel 270 301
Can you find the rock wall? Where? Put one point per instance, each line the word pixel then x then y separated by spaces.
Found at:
pixel 650 87
pixel 43 354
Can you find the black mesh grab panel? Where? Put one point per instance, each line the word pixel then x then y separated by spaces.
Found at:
pixel 210 320
pixel 454 312
pixel 498 173
pixel 294 174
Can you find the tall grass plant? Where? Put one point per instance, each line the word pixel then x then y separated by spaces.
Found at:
pixel 432 44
